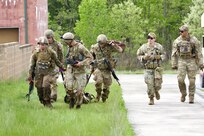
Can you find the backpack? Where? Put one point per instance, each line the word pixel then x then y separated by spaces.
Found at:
pixel 87 98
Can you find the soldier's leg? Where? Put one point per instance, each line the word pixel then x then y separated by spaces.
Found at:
pixel 71 96
pixel 54 88
pixel 81 82
pixel 191 76
pixel 98 84
pixel 181 83
pixel 149 80
pixel 69 83
pixel 107 83
pixel 47 91
pixel 38 84
pixel 158 83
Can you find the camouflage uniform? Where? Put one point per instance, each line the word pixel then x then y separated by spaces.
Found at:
pixel 57 47
pixel 102 75
pixel 42 65
pixel 187 57
pixel 75 78
pixel 152 64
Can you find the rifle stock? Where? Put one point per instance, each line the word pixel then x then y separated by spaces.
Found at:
pixel 31 87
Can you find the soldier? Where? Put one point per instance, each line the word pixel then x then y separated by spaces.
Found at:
pixel 76 59
pixel 186 57
pixel 151 54
pixel 102 75
pixel 42 64
pixel 57 47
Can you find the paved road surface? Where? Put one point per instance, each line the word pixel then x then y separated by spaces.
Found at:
pixel 168 117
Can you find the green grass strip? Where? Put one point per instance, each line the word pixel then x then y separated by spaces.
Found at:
pixel 22 118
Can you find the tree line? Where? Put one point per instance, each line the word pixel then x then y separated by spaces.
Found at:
pixel 126 20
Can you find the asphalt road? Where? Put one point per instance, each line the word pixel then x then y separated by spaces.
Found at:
pixel 169 116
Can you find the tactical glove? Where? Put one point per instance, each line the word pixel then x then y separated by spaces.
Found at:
pixel 29 78
pixel 157 57
pixel 174 67
pixel 201 67
pixel 62 69
pixel 146 57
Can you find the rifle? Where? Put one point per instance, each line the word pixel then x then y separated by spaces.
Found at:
pixel 109 66
pixel 62 77
pixel 31 86
pixel 112 71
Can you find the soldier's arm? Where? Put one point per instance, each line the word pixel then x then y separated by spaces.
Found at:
pixel 88 56
pixel 57 61
pixel 174 55
pixel 140 54
pixel 60 52
pixel 198 50
pixel 163 54
pixel 117 48
pixel 32 63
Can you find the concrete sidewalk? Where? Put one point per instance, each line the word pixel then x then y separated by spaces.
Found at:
pixel 169 116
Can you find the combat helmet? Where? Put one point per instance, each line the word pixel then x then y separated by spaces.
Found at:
pixel 49 33
pixel 152 35
pixel 102 38
pixel 42 40
pixel 68 36
pixel 184 28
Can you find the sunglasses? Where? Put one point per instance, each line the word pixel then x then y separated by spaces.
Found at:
pixel 149 37
pixel 181 31
pixel 49 37
pixel 43 44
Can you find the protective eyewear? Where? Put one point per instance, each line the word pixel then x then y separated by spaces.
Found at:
pixel 49 37
pixel 149 37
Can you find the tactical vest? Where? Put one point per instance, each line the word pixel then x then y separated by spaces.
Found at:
pixel 185 49
pixel 43 63
pixel 73 55
pixel 152 63
pixel 100 58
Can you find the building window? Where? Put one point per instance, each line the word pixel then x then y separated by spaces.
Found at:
pixel 9 35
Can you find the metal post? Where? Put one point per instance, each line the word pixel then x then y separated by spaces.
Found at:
pixel 26 21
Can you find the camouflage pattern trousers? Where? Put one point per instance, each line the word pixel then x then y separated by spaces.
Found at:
pixel 187 67
pixel 54 87
pixel 75 84
pixel 153 81
pixel 43 84
pixel 103 81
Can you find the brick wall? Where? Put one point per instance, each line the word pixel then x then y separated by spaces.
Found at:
pixel 12 16
pixel 14 60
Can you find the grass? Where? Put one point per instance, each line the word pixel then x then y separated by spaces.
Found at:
pixel 20 117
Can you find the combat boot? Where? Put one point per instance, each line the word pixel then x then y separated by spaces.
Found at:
pixel 48 104
pixel 71 103
pixel 183 98
pixel 105 95
pixel 98 96
pixel 54 98
pixel 191 100
pixel 78 106
pixel 103 99
pixel 151 102
pixel 157 95
pixel 40 95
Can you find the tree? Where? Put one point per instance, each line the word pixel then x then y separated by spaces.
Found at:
pixel 94 18
pixel 193 18
pixel 63 15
